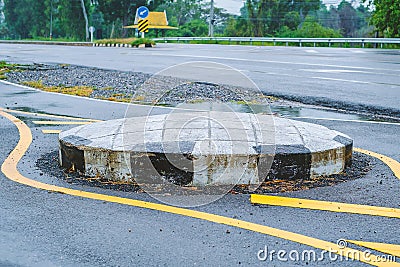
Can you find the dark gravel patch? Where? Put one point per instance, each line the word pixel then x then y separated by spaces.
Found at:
pixel 202 91
pixel 361 165
pixel 137 86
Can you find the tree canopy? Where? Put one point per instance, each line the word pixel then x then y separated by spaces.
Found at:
pixel 386 17
pixel 70 19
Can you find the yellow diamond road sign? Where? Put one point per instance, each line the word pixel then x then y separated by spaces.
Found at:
pixel 143 25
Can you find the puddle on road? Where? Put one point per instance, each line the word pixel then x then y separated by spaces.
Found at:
pixel 283 110
pixel 287 111
pixel 20 93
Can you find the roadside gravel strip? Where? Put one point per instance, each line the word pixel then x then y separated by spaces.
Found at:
pixel 106 82
pixel 125 86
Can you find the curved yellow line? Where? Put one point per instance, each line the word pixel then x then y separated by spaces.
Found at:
pixel 336 206
pixel 393 164
pixel 9 168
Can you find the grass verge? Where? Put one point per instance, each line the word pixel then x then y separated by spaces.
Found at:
pixel 132 41
pixel 5 68
pixel 69 90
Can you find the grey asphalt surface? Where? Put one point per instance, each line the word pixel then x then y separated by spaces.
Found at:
pixel 38 228
pixel 353 76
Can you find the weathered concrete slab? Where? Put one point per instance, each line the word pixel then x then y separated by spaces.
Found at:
pixel 204 148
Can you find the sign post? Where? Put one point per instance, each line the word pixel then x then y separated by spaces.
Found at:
pixel 92 30
pixel 143 23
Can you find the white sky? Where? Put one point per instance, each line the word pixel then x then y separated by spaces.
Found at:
pixel 233 6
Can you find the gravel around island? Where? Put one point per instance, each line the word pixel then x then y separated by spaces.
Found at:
pixel 361 165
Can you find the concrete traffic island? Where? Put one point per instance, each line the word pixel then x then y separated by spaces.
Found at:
pixel 204 148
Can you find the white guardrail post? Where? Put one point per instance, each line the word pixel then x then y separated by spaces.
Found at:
pixel 299 41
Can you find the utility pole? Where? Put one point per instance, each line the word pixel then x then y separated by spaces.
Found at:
pixel 51 19
pixel 211 22
pixel 86 19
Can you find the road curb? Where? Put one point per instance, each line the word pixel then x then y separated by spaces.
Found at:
pixel 123 45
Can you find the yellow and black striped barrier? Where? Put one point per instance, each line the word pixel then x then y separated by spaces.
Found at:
pixel 143 25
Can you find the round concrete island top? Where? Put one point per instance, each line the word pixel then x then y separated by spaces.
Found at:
pixel 204 148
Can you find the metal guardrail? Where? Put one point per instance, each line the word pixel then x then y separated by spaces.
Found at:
pixel 233 40
pixel 273 40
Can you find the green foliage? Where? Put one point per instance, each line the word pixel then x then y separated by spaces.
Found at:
pixel 145 41
pixel 5 68
pixel 299 18
pixel 329 17
pixel 133 41
pixel 17 14
pixel 195 27
pixel 291 18
pixel 72 23
pixel 386 17
pixel 115 41
pixel 182 11
pixel 350 21
pixel 310 29
pixel 31 18
pixel 268 17
pixel 119 13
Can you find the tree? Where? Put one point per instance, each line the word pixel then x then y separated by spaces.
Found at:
pixel 364 29
pixel 120 12
pixel 237 26
pixel 195 27
pixel 182 11
pixel 292 19
pixel 348 19
pixel 220 17
pixel 329 18
pixel 85 16
pixel 386 17
pixel 26 18
pixel 72 18
pixel 267 17
pixel 310 29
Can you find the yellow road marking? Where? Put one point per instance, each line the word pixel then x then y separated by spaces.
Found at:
pixel 393 164
pixel 9 168
pixel 382 247
pixel 48 115
pixel 51 131
pixel 324 205
pixel 62 122
pixel 336 206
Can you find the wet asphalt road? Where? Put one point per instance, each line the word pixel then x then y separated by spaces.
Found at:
pixel 353 76
pixel 38 228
